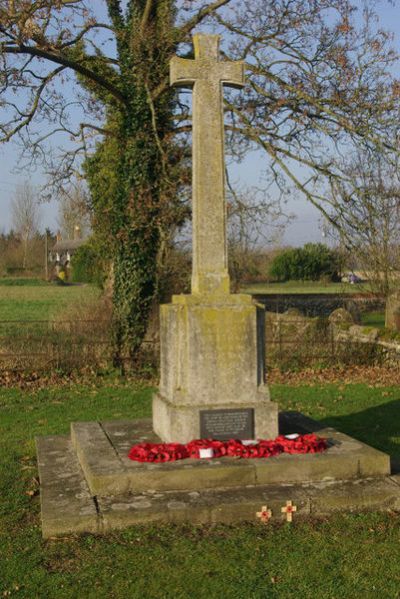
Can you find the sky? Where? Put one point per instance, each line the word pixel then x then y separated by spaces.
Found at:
pixel 306 222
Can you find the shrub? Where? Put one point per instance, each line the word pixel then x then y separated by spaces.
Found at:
pixel 312 262
pixel 87 265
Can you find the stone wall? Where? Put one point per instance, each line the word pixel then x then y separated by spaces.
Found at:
pixel 295 340
pixel 389 347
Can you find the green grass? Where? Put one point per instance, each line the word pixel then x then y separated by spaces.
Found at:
pixel 304 287
pixel 16 282
pixel 347 556
pixel 42 301
pixel 373 319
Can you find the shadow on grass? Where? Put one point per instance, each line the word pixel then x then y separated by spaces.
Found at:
pixel 378 426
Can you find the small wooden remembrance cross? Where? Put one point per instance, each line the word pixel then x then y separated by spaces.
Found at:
pixel 289 510
pixel 206 74
pixel 265 514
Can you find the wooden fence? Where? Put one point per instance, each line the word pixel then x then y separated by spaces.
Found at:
pixel 54 345
pixel 43 346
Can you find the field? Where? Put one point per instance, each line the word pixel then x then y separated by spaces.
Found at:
pixel 32 299
pixel 305 287
pixel 29 342
pixel 374 319
pixel 353 555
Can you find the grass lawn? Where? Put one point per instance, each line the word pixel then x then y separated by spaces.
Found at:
pixel 345 556
pixel 304 287
pixel 32 299
pixel 373 319
pixel 21 282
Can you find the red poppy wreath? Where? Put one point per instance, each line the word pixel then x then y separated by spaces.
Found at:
pixel 169 452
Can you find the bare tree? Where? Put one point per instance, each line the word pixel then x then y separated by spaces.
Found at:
pixel 367 211
pixel 256 220
pixel 25 216
pixel 74 212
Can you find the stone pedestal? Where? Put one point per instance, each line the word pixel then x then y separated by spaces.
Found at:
pixel 212 370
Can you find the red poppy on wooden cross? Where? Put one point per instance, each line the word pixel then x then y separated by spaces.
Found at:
pixel 289 509
pixel 265 514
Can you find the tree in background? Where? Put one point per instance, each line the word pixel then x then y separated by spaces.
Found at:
pixel 312 262
pixel 367 208
pixel 254 222
pixel 319 83
pixel 9 252
pixel 25 217
pixel 87 265
pixel 73 212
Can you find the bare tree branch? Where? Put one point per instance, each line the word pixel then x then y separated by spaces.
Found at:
pixel 67 62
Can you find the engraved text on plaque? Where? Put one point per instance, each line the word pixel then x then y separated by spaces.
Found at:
pixel 227 424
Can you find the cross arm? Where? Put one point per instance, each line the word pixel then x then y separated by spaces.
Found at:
pixel 232 73
pixel 183 72
pixel 206 65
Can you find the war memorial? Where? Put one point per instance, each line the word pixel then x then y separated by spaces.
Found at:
pixel 212 387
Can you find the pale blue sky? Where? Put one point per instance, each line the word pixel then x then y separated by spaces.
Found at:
pixel 305 227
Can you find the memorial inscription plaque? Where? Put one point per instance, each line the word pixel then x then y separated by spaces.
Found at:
pixel 227 424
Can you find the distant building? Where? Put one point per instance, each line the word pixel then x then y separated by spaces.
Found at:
pixel 63 250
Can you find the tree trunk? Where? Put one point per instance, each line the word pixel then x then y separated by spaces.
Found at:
pixel 138 226
pixel 25 252
pixel 135 284
pixel 132 188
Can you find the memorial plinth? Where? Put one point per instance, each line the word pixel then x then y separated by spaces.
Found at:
pixel 212 371
pixel 88 484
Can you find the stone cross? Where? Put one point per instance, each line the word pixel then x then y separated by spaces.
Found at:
pixel 206 74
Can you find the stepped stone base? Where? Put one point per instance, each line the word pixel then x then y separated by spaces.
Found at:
pixel 89 485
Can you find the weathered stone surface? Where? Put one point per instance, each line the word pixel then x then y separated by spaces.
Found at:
pixel 209 351
pixel 354 496
pixel 67 505
pixel 109 470
pixel 396 478
pixel 207 507
pixel 228 490
pixel 97 457
pixel 211 342
pixel 237 505
pixel 206 75
pixel 346 458
pixel 212 356
pixel 340 316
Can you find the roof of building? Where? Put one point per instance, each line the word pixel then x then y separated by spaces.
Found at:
pixel 67 244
